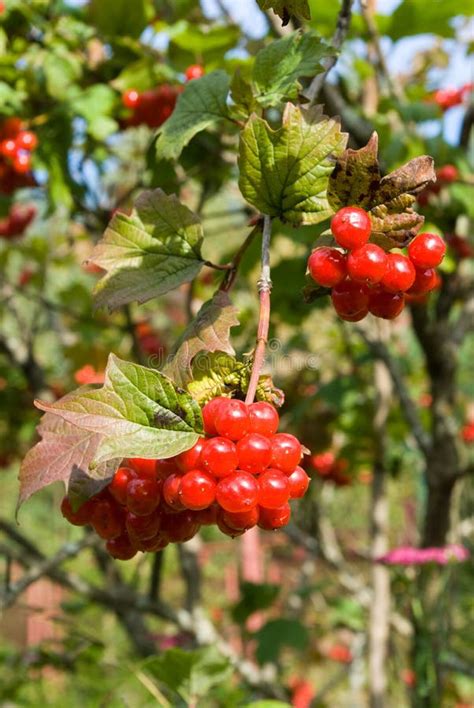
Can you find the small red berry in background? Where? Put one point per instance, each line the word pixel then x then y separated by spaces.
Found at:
pixel 130 98
pixel 351 227
pixel 447 173
pixel 195 71
pixel 327 266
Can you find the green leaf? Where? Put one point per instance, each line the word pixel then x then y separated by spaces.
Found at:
pixel 411 17
pixel 202 103
pixel 138 411
pixel 119 17
pixel 191 674
pixel 284 173
pixel 96 104
pixel 356 180
pixel 279 66
pixel 254 597
pixel 155 249
pixel 286 8
pixel 268 704
pixel 11 98
pixel 202 39
pixel 61 69
pixel 208 332
pixel 277 634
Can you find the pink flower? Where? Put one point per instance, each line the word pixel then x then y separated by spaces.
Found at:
pixel 407 555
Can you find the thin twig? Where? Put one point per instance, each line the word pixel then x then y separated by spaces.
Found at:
pixel 392 86
pixel 229 278
pixel 264 289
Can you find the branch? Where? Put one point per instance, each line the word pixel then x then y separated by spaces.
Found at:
pixel 231 274
pixel 264 289
pixel 393 87
pixel 342 28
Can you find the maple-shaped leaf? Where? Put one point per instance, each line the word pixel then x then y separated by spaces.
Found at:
pixel 208 332
pixel 284 173
pixel 356 180
pixel 138 412
pixel 154 249
pixel 64 454
pixel 286 8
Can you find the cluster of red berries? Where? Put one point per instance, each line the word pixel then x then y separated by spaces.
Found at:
pixel 16 146
pixel 331 469
pixel 447 174
pixel 17 220
pixel 467 432
pixel 241 475
pixel 151 107
pixel 364 278
pixel 448 98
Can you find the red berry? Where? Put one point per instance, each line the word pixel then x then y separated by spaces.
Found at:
pixel 120 548
pixel 264 419
pixel 142 527
pixel 195 71
pixel 207 517
pixel 400 274
pixel 367 264
pixel 22 162
pixel 118 485
pixel 27 140
pixel 274 489
pixel 323 463
pixel 386 305
pixel 351 227
pixel 243 520
pixel 171 487
pixel 145 469
pixel 189 459
pixel 219 457
pixel 271 519
pixel 447 173
pixel 209 413
pixel 425 281
pixel 165 468
pixel 254 452
pixel 237 492
pixel 130 98
pixel 143 496
pixel 8 148
pixel 299 483
pixel 286 452
pixel 152 545
pixel 426 250
pixel 223 526
pixel 350 300
pixel 327 266
pixel 232 419
pixel 80 517
pixel 197 490
pixel 108 519
pixel 180 527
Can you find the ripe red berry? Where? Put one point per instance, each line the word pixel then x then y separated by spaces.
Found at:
pixel 80 517
pixel 400 274
pixel 180 527
pixel 118 485
pixel 219 456
pixel 145 469
pixel 207 517
pixel 22 162
pixel 8 148
pixel 323 463
pixel 386 305
pixel 195 71
pixel 237 492
pixel 197 490
pixel 286 452
pixel 274 489
pixel 271 519
pixel 171 487
pixel 223 526
pixel 108 519
pixel 152 545
pixel 254 452
pixel 130 98
pixel 142 527
pixel 27 140
pixel 425 281
pixel 350 300
pixel 232 419
pixel 189 459
pixel 143 496
pixel 299 483
pixel 209 413
pixel 447 173
pixel 426 250
pixel 120 548
pixel 367 264
pixel 351 227
pixel 264 419
pixel 243 520
pixel 327 266
pixel 165 468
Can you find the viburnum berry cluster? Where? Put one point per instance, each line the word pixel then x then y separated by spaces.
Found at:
pixel 16 146
pixel 450 97
pixel 364 278
pixel 151 107
pixel 17 220
pixel 242 474
pixel 331 469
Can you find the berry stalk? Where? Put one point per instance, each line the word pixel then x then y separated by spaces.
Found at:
pixel 264 289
